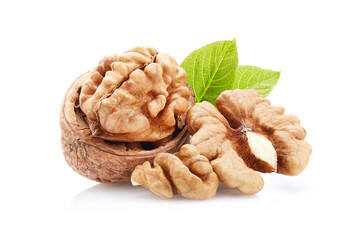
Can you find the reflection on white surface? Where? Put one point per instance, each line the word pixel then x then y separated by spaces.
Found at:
pixel 277 188
pixel 110 195
pixel 121 204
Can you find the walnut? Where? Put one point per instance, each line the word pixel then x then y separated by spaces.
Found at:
pixel 123 113
pixel 188 172
pixel 135 96
pixel 245 134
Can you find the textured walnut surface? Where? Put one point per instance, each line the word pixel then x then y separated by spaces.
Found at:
pixel 188 172
pixel 124 112
pixel 245 108
pixel 140 95
pixel 242 136
pixel 101 160
pixel 210 132
pixel 220 135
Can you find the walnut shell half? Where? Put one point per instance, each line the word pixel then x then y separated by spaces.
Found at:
pixel 99 159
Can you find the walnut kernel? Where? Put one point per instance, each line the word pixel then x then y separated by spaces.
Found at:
pixel 188 172
pixel 135 97
pixel 253 132
pixel 245 134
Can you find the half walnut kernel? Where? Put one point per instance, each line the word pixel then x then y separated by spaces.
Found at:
pixel 187 172
pixel 283 132
pixel 123 113
pixel 245 134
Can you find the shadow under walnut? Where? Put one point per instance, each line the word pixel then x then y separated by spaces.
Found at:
pixel 98 159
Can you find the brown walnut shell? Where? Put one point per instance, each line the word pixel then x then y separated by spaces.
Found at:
pixel 101 160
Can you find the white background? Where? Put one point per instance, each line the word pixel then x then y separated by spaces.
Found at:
pixel 46 45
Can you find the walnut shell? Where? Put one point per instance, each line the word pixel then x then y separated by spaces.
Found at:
pixel 99 159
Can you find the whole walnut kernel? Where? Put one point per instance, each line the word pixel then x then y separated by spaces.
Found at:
pixel 124 112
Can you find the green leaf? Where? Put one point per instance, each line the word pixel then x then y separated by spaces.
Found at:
pixel 250 77
pixel 211 69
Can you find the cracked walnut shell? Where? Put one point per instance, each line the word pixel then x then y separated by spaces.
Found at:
pixel 123 113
